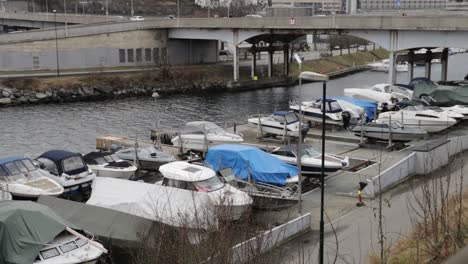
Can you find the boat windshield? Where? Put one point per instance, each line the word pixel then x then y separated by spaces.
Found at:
pixel 108 159
pixel 291 118
pixel 19 170
pixel 309 153
pixel 208 185
pixel 72 163
pixel 333 107
pixel 415 108
pixel 200 127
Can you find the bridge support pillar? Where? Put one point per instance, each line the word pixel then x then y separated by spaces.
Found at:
pixel 286 59
pixel 253 69
pixel 270 63
pixel 444 61
pixel 392 68
pixel 428 64
pixel 236 55
pixel 411 64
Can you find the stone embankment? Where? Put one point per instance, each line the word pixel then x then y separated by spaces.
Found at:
pixel 11 96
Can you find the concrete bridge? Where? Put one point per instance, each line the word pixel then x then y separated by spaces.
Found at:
pixel 191 37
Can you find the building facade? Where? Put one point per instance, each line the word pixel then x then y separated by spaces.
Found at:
pixel 371 5
pixel 317 6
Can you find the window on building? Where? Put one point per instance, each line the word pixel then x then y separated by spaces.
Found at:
pixel 156 56
pixel 139 55
pixel 121 55
pixel 164 55
pixel 147 55
pixel 130 55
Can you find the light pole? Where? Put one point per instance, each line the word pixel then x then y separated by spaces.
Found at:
pixel 56 42
pixel 298 145
pixel 313 76
pixel 131 6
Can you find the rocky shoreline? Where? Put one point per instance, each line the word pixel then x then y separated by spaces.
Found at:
pixel 12 96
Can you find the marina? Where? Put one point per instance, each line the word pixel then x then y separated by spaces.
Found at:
pixel 180 157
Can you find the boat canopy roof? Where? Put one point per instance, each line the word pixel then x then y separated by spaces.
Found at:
pixel 281 113
pixel 70 166
pixel 327 99
pixel 244 160
pixel 184 171
pixel 10 159
pixel 370 108
pixel 25 228
pixel 95 155
pixel 58 155
pixel 9 169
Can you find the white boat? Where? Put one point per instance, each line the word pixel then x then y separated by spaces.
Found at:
pixel 175 206
pixel 282 123
pixel 148 158
pixel 416 116
pixel 33 233
pixel 453 112
pixel 382 131
pixel 24 181
pixel 200 135
pixel 313 111
pixel 459 109
pixel 311 160
pixel 199 180
pixel 68 169
pixel 380 94
pixel 384 66
pixel 107 164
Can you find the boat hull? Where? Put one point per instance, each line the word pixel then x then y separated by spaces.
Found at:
pixel 275 130
pixel 396 136
pixel 113 173
pixel 317 117
pixel 199 144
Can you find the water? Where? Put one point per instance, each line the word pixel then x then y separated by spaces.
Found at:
pixel 74 126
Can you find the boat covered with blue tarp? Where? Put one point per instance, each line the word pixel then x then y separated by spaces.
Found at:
pixel 245 160
pixel 370 108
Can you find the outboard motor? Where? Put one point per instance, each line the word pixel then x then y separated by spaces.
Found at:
pixel 346 116
pixel 304 130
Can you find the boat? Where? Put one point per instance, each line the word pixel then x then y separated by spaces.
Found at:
pixel 311 160
pixel 166 203
pixel 432 93
pixel 200 135
pixel 417 116
pixel 199 180
pixel 268 180
pixel 282 123
pixel 384 66
pixel 375 94
pixel 312 110
pixel 457 113
pixel 148 158
pixel 33 233
pixel 68 169
pixel 368 108
pixel 381 131
pixel 251 163
pixel 24 181
pixel 107 164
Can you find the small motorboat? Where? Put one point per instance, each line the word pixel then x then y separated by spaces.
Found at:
pixel 270 182
pixel 282 123
pixel 195 178
pixel 68 169
pixel 417 116
pixel 311 160
pixel 148 158
pixel 375 94
pixel 39 236
pixel 376 131
pixel 24 181
pixel 384 66
pixel 107 164
pixel 200 135
pixel 456 113
pixel 313 111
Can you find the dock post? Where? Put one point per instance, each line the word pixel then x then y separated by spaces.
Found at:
pixel 260 126
pixel 444 61
pixel 362 128
pixel 389 131
pixel 411 64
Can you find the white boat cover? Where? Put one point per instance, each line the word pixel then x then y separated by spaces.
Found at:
pixel 184 171
pixel 172 206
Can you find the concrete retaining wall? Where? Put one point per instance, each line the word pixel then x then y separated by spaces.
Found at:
pixel 247 250
pixel 421 161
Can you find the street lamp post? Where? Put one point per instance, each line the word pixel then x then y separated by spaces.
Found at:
pixel 298 145
pixel 131 6
pixel 313 76
pixel 56 42
pixel 178 14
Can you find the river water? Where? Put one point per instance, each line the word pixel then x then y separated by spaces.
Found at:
pixel 74 126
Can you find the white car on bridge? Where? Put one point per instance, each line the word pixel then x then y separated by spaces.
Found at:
pixel 137 18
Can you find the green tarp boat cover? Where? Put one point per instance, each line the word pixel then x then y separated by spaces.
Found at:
pixel 25 227
pixel 444 95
